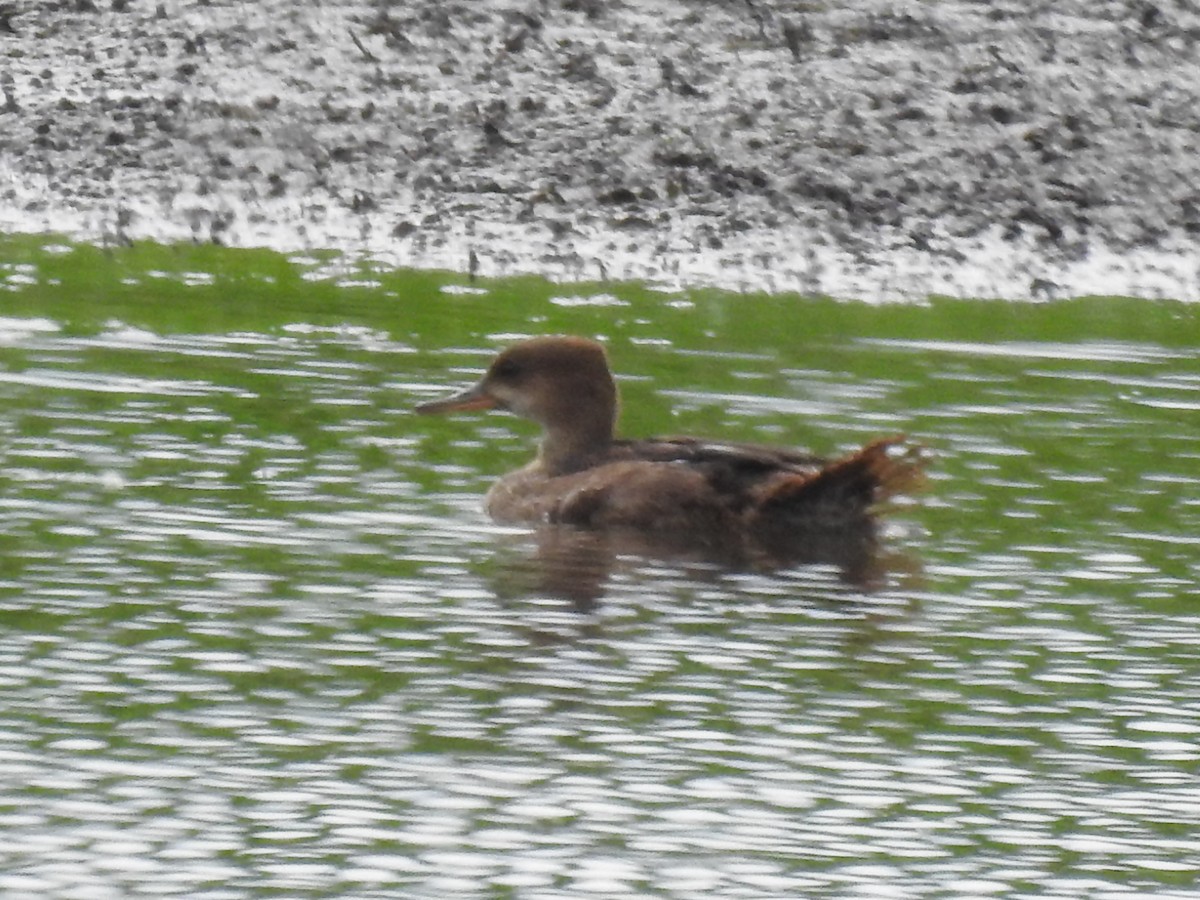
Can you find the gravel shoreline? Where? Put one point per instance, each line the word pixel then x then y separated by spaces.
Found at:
pixel 885 151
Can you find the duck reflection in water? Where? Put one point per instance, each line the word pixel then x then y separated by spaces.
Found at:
pixel 595 496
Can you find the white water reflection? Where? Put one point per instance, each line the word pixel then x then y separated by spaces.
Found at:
pixel 1083 351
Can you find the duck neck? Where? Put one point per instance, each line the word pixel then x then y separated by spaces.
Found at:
pixel 568 449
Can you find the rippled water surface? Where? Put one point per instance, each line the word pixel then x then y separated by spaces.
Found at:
pixel 257 639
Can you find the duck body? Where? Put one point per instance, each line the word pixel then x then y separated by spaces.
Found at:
pixel 711 493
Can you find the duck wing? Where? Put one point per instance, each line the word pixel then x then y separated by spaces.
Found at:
pixel 739 456
pixel 778 484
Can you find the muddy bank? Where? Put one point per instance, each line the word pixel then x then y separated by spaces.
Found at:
pixel 887 150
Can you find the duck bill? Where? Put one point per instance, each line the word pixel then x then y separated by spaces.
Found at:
pixel 474 398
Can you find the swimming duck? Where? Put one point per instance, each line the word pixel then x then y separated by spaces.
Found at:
pixel 715 492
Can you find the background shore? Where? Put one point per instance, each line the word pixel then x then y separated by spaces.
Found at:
pixel 887 151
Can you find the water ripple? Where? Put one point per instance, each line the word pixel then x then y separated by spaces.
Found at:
pixel 259 637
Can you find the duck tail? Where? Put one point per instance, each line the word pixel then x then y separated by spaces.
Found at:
pixel 848 489
pixel 896 465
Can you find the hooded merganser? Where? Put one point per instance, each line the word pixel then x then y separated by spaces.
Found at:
pixel 716 491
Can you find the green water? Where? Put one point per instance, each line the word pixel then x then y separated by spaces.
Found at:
pixel 257 639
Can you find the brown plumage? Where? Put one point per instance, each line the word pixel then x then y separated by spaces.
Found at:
pixel 711 492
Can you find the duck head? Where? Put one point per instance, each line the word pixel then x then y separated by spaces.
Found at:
pixel 562 383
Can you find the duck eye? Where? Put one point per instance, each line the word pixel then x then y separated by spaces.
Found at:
pixel 506 368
